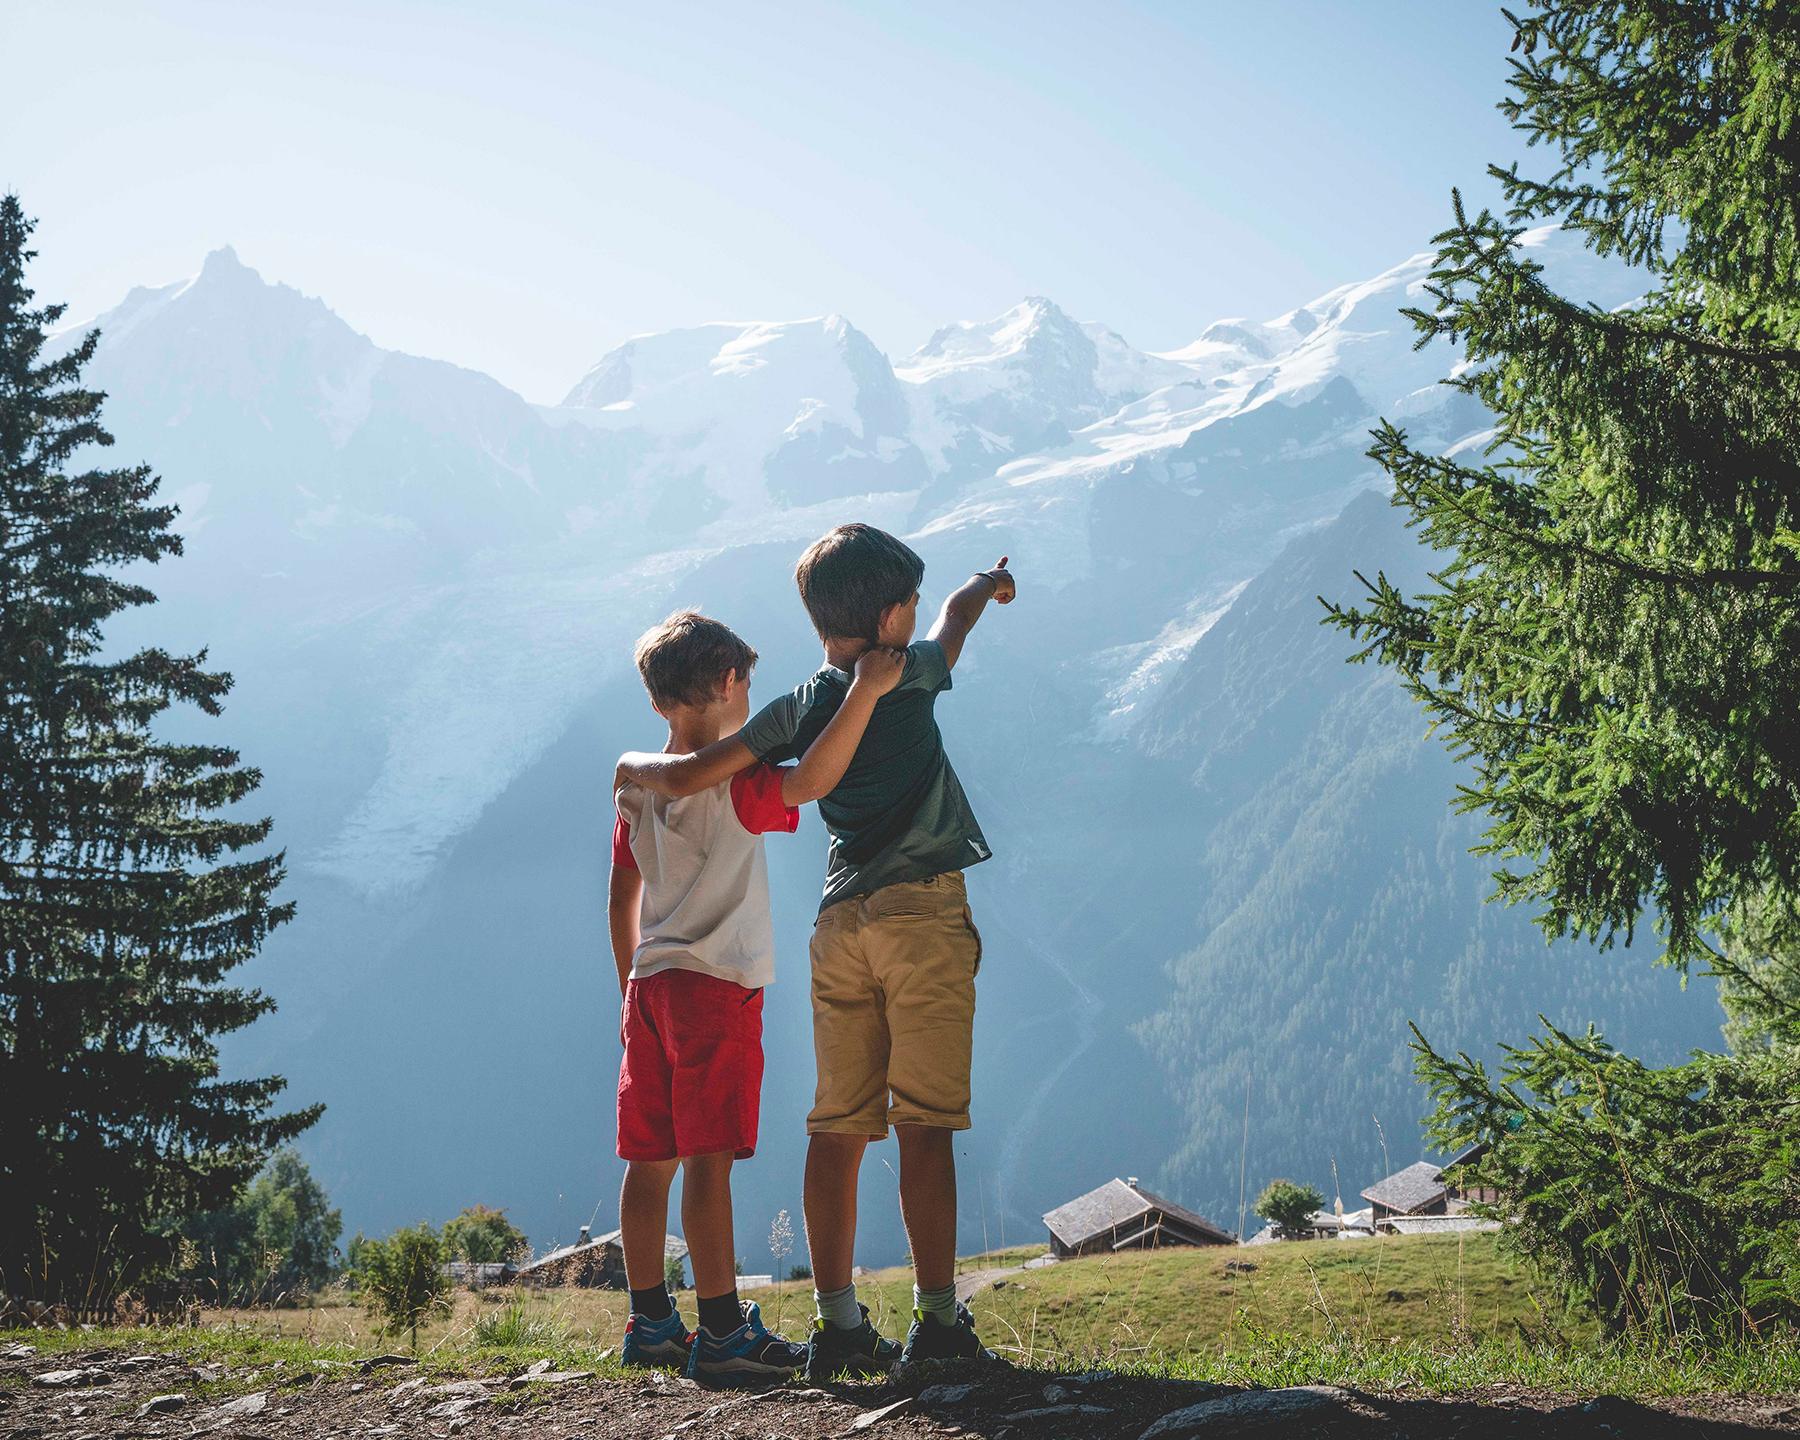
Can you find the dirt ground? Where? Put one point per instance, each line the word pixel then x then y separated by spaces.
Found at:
pixel 86 1395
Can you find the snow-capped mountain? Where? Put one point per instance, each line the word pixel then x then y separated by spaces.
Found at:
pixel 428 589
pixel 729 421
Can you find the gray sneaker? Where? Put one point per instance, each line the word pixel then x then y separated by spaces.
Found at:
pixel 832 1351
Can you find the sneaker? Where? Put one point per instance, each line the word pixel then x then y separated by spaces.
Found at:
pixel 930 1339
pixel 656 1342
pixel 748 1353
pixel 833 1351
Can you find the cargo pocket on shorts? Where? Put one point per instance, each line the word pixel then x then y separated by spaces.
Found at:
pixel 975 935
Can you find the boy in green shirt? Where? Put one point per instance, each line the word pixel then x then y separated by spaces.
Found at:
pixel 895 949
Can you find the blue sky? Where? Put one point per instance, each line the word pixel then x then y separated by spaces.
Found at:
pixel 517 187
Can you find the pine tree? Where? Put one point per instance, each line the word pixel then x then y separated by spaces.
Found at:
pixel 1614 641
pixel 124 904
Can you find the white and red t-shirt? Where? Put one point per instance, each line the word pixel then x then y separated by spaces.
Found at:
pixel 706 883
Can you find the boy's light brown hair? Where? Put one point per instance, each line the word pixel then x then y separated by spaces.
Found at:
pixel 683 659
pixel 848 576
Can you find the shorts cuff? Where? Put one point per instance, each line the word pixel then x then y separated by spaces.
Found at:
pixel 930 1119
pixel 645 1155
pixel 869 1129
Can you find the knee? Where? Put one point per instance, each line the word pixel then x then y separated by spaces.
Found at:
pixel 837 1147
pixel 708 1172
pixel 924 1139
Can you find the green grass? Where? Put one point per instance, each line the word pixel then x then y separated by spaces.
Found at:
pixel 1166 1304
pixel 1430 1314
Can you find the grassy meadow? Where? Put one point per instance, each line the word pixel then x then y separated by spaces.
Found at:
pixel 1437 1314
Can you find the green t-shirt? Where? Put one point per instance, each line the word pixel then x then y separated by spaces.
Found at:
pixel 899 813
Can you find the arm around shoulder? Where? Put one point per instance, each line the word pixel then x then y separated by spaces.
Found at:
pixel 877 672
pixel 679 775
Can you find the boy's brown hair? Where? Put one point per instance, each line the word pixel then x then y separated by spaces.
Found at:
pixel 683 659
pixel 850 575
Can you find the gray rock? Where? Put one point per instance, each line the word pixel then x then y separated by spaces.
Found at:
pixel 375 1362
pixel 942 1397
pixel 448 1409
pixel 1248 1412
pixel 252 1404
pixel 161 1405
pixel 871 1418
pixel 1053 1412
pixel 70 1379
pixel 549 1377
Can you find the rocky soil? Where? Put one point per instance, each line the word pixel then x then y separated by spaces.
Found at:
pixel 106 1393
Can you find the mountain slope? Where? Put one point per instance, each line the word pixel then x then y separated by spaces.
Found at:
pixel 1220 853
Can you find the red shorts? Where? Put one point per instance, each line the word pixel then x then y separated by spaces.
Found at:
pixel 691 1080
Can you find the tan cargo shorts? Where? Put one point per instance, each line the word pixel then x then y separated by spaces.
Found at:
pixel 893 1002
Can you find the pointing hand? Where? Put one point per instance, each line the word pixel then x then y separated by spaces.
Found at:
pixel 1004 588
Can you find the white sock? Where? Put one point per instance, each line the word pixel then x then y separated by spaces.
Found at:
pixel 839 1307
pixel 940 1305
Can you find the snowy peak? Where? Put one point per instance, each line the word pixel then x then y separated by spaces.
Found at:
pixel 742 416
pixel 1035 328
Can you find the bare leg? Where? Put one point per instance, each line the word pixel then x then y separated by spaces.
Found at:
pixel 832 1164
pixel 706 1220
pixel 928 1201
pixel 644 1219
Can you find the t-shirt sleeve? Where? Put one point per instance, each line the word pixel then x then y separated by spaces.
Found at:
pixel 621 849
pixel 756 796
pixel 925 668
pixel 770 732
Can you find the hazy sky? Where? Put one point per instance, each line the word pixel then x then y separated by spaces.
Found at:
pixel 518 186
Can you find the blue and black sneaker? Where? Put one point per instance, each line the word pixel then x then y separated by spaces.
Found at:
pixel 931 1339
pixel 748 1353
pixel 649 1343
pixel 832 1351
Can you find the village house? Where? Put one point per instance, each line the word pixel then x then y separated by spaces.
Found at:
pixel 1123 1215
pixel 597 1262
pixel 1421 1198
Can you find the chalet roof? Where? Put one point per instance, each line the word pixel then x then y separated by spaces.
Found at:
pixel 1117 1203
pixel 1410 1189
pixel 673 1246
pixel 1440 1224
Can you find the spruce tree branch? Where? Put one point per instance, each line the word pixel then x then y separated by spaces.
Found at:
pixel 1707 578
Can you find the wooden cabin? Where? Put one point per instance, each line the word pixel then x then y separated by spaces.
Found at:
pixel 1123 1215
pixel 597 1262
pixel 1424 1191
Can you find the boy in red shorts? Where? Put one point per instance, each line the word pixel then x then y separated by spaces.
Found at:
pixel 688 911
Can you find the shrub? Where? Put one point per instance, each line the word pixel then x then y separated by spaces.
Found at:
pixel 483 1235
pixel 1290 1206
pixel 512 1328
pixel 403 1279
pixel 1664 1200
